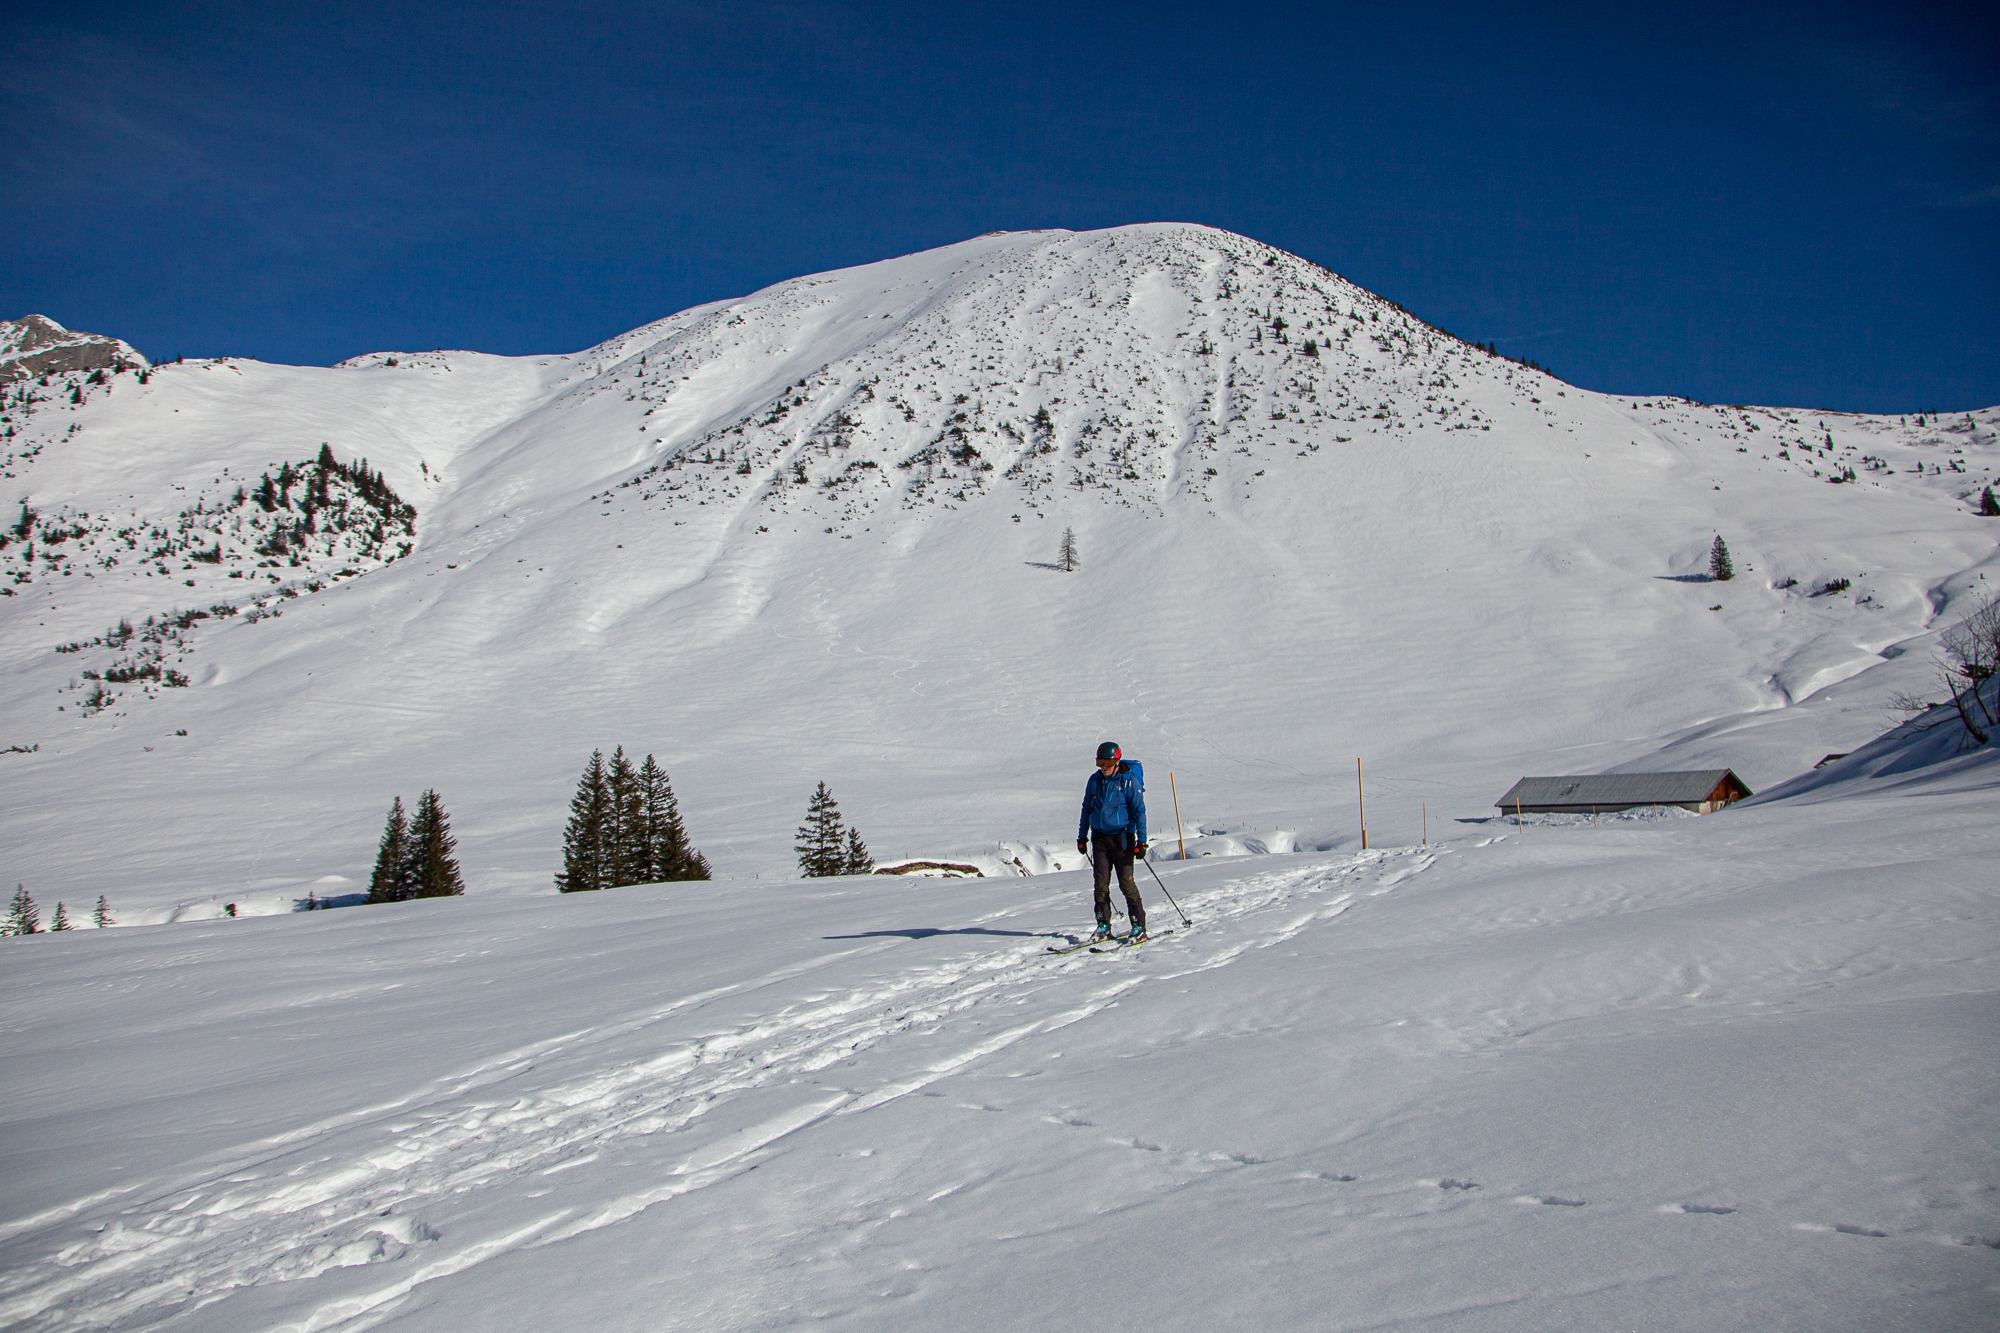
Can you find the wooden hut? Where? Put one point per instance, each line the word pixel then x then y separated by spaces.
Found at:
pixel 1702 791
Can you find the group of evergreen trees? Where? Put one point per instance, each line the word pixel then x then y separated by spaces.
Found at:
pixel 25 918
pixel 625 828
pixel 826 846
pixel 276 493
pixel 415 858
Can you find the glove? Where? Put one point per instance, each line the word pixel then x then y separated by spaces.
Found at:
pixel 1139 850
pixel 1082 847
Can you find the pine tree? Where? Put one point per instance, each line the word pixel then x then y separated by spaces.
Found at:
pixel 668 856
pixel 625 837
pixel 819 842
pixel 1988 506
pixel 23 917
pixel 857 860
pixel 1067 556
pixel 62 918
pixel 1719 567
pixel 395 863
pixel 583 837
pixel 102 916
pixel 430 838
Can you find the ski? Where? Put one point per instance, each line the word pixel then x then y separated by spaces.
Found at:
pixel 1118 942
pixel 1084 943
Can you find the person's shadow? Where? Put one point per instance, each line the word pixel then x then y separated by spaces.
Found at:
pixel 925 932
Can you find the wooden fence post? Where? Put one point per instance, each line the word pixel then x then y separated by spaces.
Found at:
pixel 1361 802
pixel 1177 815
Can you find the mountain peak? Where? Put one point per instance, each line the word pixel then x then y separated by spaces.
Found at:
pixel 36 345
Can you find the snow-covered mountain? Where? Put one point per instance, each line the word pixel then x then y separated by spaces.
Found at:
pixel 809 535
pixel 1654 1071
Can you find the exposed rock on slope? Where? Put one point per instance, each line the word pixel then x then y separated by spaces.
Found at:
pixel 35 345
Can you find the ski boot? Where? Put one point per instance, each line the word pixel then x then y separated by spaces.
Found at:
pixel 1137 935
pixel 1103 932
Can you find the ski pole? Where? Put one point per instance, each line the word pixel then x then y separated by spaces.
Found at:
pixel 1170 897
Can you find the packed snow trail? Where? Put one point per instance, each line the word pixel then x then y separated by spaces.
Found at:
pixel 1700 1072
pixel 361 1186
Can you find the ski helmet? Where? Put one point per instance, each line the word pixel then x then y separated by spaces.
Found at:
pixel 1108 752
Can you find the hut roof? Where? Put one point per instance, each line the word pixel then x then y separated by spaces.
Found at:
pixel 1618 788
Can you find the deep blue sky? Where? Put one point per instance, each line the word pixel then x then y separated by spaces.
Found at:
pixel 1794 204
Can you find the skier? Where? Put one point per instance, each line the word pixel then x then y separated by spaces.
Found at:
pixel 1114 820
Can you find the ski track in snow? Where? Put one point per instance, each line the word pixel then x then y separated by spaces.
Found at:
pixel 353 1188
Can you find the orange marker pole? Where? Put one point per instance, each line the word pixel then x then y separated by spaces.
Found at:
pixel 1177 814
pixel 1361 802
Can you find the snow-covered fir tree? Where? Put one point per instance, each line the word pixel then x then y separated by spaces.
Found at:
pixel 661 832
pixel 23 917
pixel 1719 566
pixel 591 818
pixel 432 846
pixel 395 868
pixel 823 844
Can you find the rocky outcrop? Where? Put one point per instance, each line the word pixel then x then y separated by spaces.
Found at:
pixel 36 345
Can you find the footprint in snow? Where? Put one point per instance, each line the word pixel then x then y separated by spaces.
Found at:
pixel 1552 1200
pixel 1990 1242
pixel 1712 1209
pixel 1450 1184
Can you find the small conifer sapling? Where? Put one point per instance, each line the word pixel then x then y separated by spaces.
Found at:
pixel 102 916
pixel 857 861
pixel 61 921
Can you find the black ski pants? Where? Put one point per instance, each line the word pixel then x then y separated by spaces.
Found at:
pixel 1111 849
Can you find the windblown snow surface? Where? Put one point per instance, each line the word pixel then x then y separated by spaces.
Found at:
pixel 1652 1073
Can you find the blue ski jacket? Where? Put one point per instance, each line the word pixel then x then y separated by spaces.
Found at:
pixel 1116 802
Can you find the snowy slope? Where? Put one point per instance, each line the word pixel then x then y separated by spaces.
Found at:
pixel 1722 1072
pixel 806 535
pixel 1728 1071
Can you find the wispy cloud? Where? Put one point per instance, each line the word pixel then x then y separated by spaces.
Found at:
pixel 1977 199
